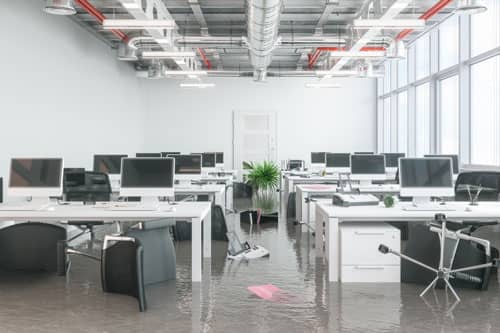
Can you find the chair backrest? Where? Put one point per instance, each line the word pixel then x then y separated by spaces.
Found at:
pixel 489 180
pixel 1 189
pixel 122 268
pixel 87 186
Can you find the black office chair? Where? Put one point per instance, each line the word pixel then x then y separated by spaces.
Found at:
pixel 122 268
pixel 477 186
pixel 86 186
pixel 182 230
pixel 31 246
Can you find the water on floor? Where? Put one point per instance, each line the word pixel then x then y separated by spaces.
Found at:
pixel 222 302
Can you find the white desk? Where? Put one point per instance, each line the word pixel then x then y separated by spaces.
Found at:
pixel 329 217
pixel 216 193
pixel 193 212
pixel 291 181
pixel 304 211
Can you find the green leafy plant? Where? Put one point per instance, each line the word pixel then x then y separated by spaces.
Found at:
pixel 264 176
pixel 388 201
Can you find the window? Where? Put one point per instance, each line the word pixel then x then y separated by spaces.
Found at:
pixel 448 42
pixel 485 112
pixel 380 125
pixel 423 57
pixel 380 86
pixel 485 29
pixel 387 77
pixel 423 120
pixel 403 71
pixel 449 115
pixel 387 125
pixel 403 122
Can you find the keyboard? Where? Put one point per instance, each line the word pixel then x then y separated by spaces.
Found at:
pixel 429 208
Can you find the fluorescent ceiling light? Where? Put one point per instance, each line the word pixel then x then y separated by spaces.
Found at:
pixel 470 7
pixel 181 72
pixel 131 24
pixel 59 7
pixel 166 54
pixel 327 74
pixel 197 85
pixel 387 24
pixel 322 85
pixel 360 54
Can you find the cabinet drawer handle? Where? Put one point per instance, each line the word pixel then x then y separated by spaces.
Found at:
pixel 370 267
pixel 369 233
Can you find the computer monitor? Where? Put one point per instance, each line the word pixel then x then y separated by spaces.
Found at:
pixel 148 178
pixel 219 160
pixel 318 158
pixel 36 177
pixel 338 162
pixel 392 161
pixel 366 168
pixel 187 167
pixel 422 178
pixel 295 165
pixel 364 153
pixel 208 162
pixel 169 153
pixel 148 155
pixel 454 159
pixel 108 164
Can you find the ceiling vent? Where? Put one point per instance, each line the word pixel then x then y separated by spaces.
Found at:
pixel 60 7
pixel 470 7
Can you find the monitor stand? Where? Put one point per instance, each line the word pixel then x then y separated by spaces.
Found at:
pixel 421 201
pixel 150 201
pixel 184 183
pixel 366 183
pixel 41 201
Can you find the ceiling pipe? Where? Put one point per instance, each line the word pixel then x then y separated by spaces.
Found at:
pixel 204 58
pixel 313 58
pixel 285 42
pixel 263 19
pixel 425 16
pixel 100 18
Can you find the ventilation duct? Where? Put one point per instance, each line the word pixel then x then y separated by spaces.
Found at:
pixel 470 6
pixel 396 50
pixel 263 19
pixel 60 7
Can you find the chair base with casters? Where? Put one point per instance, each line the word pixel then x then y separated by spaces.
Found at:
pixel 449 242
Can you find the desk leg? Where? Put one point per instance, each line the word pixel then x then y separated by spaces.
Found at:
pixel 207 235
pixel 333 249
pixel 196 249
pixel 318 233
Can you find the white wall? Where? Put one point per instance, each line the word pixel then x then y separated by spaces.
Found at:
pixel 62 91
pixel 338 120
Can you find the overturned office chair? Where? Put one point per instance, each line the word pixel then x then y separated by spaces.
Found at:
pixel 449 243
pixel 477 186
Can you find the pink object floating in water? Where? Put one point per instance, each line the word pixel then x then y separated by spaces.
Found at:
pixel 266 291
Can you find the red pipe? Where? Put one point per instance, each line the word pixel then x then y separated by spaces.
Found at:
pixel 207 62
pixel 425 16
pixel 100 18
pixel 315 56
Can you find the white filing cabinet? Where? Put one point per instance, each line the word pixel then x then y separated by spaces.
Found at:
pixel 360 260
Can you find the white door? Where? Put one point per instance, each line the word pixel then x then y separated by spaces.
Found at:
pixel 254 137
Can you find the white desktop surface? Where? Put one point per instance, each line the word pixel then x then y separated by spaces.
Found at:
pixel 193 212
pixel 330 217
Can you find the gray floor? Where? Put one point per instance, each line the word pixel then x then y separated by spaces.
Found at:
pixel 222 303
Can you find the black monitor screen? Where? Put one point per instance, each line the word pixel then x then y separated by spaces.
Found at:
pixel 454 158
pixel 335 160
pixel 219 158
pixel 187 164
pixel 148 172
pixel 425 172
pixel 318 158
pixel 169 153
pixel 108 164
pixel 35 172
pixel 392 159
pixel 295 164
pixel 208 160
pixel 148 155
pixel 367 164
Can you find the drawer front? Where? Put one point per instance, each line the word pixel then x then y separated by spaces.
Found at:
pixel 360 246
pixel 370 274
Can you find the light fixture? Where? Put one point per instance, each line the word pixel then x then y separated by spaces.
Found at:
pixel 166 54
pixel 181 72
pixel 59 7
pixel 396 50
pixel 130 24
pixel 328 74
pixel 390 24
pixel 197 85
pixel 130 4
pixel 359 54
pixel 470 7
pixel 322 85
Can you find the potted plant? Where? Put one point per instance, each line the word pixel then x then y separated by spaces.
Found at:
pixel 265 179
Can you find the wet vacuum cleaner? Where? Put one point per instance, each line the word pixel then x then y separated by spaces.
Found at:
pixel 243 251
